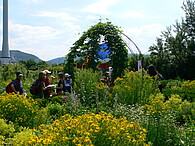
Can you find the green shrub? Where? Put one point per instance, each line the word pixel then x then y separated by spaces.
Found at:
pixel 89 129
pixel 162 123
pixel 18 109
pixel 134 88
pixel 6 130
pixel 20 137
pixel 53 100
pixel 8 71
pixel 56 110
pixel 171 84
pixel 85 85
pixel 186 90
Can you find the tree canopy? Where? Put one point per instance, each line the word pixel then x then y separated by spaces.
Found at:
pixel 174 53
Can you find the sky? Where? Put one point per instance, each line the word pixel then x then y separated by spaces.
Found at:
pixel 48 28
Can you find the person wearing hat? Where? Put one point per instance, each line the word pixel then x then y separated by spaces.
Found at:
pixel 41 85
pixel 67 83
pixel 17 83
pixel 49 74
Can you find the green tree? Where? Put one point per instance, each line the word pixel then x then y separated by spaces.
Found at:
pixel 29 64
pixel 174 53
pixel 42 64
pixel 161 58
pixel 32 65
pixel 89 44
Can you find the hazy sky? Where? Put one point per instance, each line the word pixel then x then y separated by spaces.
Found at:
pixel 48 28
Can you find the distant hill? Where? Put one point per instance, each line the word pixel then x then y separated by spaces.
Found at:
pixel 17 55
pixel 56 60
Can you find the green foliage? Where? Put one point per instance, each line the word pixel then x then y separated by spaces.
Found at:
pixel 32 65
pixel 167 122
pixel 161 120
pixel 18 109
pixel 134 88
pixel 20 137
pixel 6 130
pixel 56 110
pixel 186 90
pixel 46 101
pixel 8 71
pixel 174 53
pixel 85 86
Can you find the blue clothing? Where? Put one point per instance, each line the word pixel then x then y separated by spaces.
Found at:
pixel 18 86
pixel 67 85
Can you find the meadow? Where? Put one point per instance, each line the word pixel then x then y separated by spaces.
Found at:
pixel 133 112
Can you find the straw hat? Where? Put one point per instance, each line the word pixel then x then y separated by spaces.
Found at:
pixel 67 75
pixel 47 71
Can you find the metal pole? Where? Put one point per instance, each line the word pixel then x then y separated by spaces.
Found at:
pixel 5 47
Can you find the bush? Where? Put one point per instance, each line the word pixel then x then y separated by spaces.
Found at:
pixel 186 90
pixel 56 99
pixel 90 129
pixel 134 88
pixel 162 120
pixel 56 110
pixel 18 109
pixel 6 130
pixel 85 85
pixel 20 137
pixel 8 71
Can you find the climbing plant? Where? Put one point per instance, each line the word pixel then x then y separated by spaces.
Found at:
pixel 88 45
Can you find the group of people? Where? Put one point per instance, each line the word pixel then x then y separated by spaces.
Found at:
pixel 43 85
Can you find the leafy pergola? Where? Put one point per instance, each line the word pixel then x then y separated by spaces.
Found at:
pixel 88 45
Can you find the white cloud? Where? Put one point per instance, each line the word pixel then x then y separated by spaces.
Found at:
pixel 43 41
pixel 143 36
pixel 32 34
pixel 100 7
pixel 61 15
pixel 33 39
pixel 71 27
pixel 149 30
pixel 93 17
pixel 131 14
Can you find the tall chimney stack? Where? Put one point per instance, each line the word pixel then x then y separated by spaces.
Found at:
pixel 5 46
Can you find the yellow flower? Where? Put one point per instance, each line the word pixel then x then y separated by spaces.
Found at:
pixel 87 133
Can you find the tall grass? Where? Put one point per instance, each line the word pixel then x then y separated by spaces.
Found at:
pixel 85 84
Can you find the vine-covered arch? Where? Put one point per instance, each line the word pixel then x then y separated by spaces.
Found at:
pixel 88 45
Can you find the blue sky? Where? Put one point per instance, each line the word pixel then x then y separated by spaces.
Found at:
pixel 48 28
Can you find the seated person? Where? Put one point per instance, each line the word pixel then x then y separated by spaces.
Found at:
pixel 17 83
